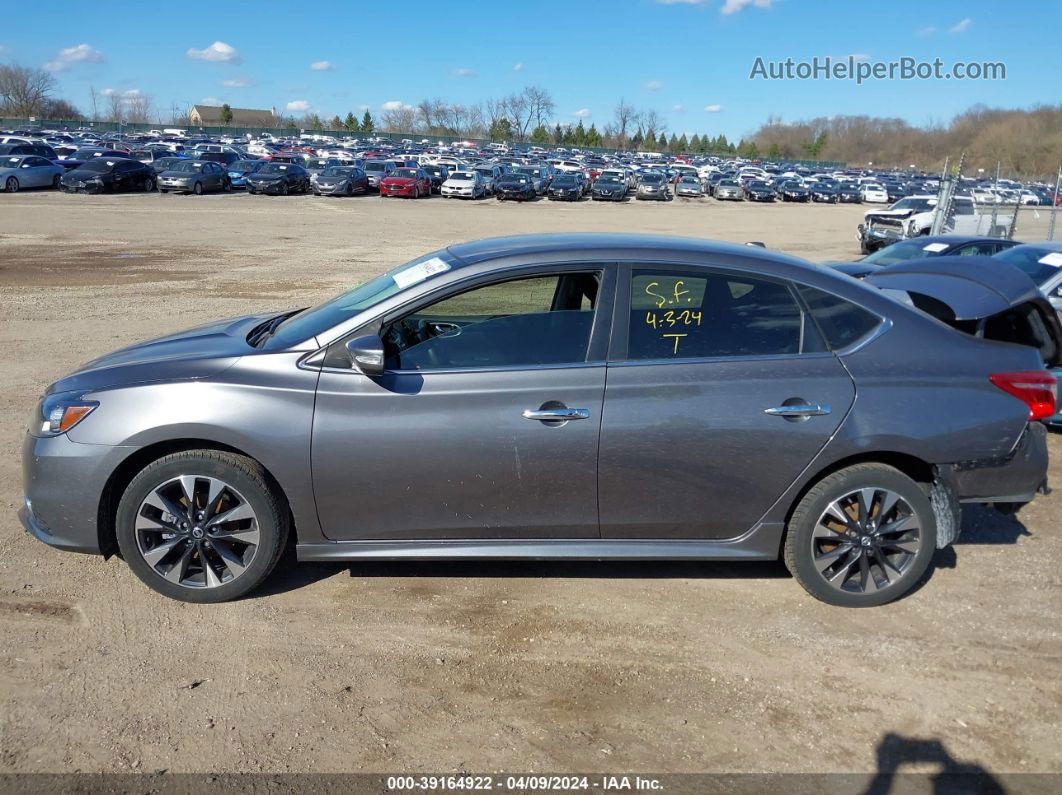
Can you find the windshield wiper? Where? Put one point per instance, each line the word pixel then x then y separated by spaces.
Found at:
pixel 264 331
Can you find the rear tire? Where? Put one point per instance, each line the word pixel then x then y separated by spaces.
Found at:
pixel 11 186
pixel 197 189
pixel 861 537
pixel 231 579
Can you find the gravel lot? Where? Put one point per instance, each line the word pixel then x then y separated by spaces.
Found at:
pixel 661 667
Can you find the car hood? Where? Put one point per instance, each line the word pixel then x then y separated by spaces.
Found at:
pixel 171 174
pixel 79 173
pixel 399 180
pixel 187 355
pixel 265 177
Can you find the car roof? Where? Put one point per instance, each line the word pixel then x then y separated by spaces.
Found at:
pixel 608 246
pixel 1050 245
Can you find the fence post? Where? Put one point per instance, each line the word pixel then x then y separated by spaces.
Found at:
pixel 995 203
pixel 1054 206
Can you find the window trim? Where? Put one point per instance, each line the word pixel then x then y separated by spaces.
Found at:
pixel 597 348
pixel 619 348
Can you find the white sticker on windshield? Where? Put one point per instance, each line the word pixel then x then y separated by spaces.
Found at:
pixel 1054 259
pixel 420 272
pixel 934 247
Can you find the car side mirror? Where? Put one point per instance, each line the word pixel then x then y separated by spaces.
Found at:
pixel 367 354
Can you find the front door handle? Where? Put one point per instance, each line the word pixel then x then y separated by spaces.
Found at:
pixel 556 415
pixel 799 410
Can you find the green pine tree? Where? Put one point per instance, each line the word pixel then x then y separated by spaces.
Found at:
pixel 593 137
pixel 351 122
pixel 683 145
pixel 367 124
pixel 540 136
pixel 558 135
pixel 579 136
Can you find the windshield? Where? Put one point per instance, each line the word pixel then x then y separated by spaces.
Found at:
pixel 188 166
pixel 523 179
pixel 409 173
pixel 273 168
pixel 245 165
pixel 322 317
pixel 98 165
pixel 1039 264
pixel 321 163
pixel 338 171
pixel 564 179
pixel 374 165
pixel 905 250
pixel 608 181
pixel 653 178
pixel 913 204
pixel 462 175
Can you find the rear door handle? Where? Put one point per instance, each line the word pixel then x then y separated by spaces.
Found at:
pixel 557 415
pixel 799 410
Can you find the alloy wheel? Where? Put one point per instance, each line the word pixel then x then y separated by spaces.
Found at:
pixel 197 531
pixel 866 540
pixel 12 185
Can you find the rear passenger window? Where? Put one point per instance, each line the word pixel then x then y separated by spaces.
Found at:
pixel 682 315
pixel 842 322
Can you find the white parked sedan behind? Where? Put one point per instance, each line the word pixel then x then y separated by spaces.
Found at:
pixel 28 171
pixel 870 192
pixel 465 185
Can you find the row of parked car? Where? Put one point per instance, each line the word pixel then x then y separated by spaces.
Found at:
pixel 328 166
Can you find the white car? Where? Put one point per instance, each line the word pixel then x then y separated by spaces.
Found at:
pixel 870 192
pixel 464 185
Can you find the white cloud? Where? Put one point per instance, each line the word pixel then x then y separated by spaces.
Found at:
pixel 926 31
pixel 298 105
pixel 395 104
pixel 238 82
pixel 653 85
pixel 323 66
pixel 68 56
pixel 464 72
pixel 734 6
pixel 582 113
pixel 108 91
pixel 961 26
pixel 218 52
pixel 518 67
pixel 712 108
pixel 676 108
pixel 210 101
pixel 132 92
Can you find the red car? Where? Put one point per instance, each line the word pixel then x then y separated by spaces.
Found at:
pixel 412 182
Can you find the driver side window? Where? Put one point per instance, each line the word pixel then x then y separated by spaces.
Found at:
pixel 533 321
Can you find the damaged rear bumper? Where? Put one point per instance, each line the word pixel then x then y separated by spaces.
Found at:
pixel 1015 478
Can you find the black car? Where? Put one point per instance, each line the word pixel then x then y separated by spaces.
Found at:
pixel 438 175
pixel 514 186
pixel 759 191
pixel 921 247
pixel 825 193
pixel 279 178
pixel 108 175
pixel 849 194
pixel 608 189
pixel 225 158
pixel 793 191
pixel 566 187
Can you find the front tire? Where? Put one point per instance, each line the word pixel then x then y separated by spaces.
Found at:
pixel 202 525
pixel 861 537
pixel 11 186
pixel 197 189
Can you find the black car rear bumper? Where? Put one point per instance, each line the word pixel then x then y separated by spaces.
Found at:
pixel 1014 478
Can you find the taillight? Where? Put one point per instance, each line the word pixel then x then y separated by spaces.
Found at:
pixel 1037 389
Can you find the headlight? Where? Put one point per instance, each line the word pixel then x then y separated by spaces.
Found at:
pixel 62 411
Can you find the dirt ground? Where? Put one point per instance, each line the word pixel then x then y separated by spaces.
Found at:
pixel 661 667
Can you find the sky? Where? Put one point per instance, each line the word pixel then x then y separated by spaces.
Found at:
pixel 690 60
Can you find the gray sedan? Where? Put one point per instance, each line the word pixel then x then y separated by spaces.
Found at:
pixel 458 407
pixel 28 171
pixel 194 176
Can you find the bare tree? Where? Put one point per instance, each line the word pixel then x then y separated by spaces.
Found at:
pixel 625 119
pixel 401 119
pixel 94 98
pixel 24 91
pixel 138 108
pixel 116 105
